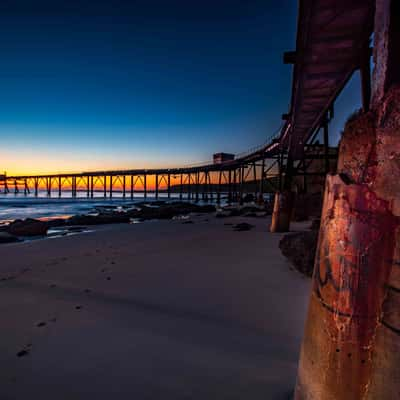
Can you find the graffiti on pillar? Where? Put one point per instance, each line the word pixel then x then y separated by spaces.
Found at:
pixel 355 254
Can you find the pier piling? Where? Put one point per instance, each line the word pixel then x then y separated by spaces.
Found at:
pixel 351 345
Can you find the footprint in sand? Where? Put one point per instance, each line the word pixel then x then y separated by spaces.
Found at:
pixel 23 353
pixel 7 278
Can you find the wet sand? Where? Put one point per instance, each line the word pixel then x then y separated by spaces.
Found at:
pixel 159 310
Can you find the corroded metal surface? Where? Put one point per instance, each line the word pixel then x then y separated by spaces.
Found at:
pixel 282 213
pixel 351 347
pixel 353 263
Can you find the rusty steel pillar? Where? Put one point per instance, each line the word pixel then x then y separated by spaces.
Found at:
pixel 197 183
pixel 229 186
pixel 351 345
pixel 282 213
pixel 283 203
pixel 260 199
pixel 188 187
pixel 219 187
pixel 48 186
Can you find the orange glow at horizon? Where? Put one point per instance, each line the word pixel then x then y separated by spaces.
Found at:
pixel 117 185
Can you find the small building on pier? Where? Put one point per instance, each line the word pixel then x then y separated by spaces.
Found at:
pixel 223 157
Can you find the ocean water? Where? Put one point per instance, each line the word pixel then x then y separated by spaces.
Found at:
pixel 20 206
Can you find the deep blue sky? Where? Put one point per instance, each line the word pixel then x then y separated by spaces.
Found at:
pixel 141 83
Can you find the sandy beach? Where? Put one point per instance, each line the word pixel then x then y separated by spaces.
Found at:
pixel 158 310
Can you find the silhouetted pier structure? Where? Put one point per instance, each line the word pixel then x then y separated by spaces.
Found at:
pixel 261 170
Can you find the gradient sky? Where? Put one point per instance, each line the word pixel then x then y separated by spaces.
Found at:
pixel 122 84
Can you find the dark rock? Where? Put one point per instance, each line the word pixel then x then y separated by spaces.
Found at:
pixel 53 223
pixel 222 214
pixel 27 227
pixel 152 203
pixel 248 198
pixel 251 214
pixel 248 211
pixel 205 209
pixel 243 226
pixel 300 249
pixel 41 324
pixel 3 227
pixel 109 218
pixel 7 238
pixel 168 211
pixel 235 212
pixel 158 203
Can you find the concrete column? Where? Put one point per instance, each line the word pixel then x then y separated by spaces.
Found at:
pixel 351 345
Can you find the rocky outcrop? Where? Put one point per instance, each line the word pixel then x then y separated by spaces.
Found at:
pixel 168 211
pixel 108 218
pixel 246 211
pixel 300 248
pixel 28 227
pixel 7 238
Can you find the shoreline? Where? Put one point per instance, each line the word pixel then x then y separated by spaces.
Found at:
pixel 130 212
